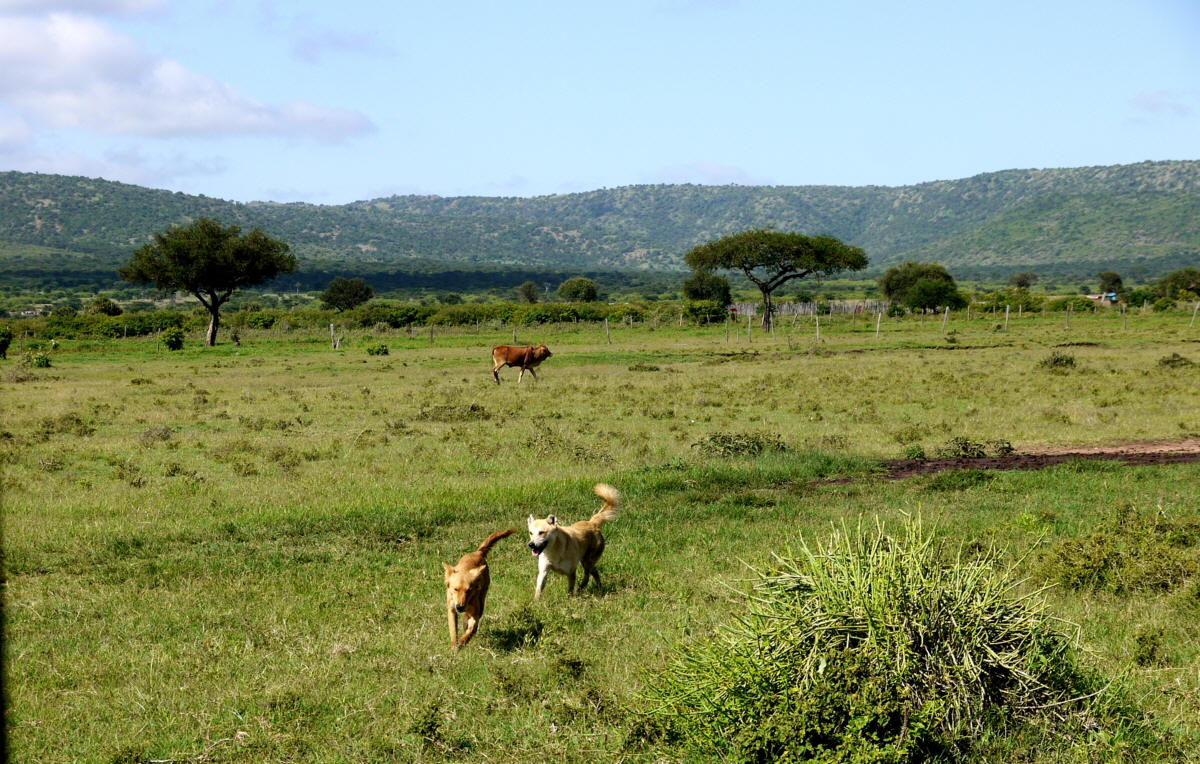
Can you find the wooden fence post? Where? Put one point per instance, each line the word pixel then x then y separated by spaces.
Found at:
pixel 945 317
pixel 607 331
pixel 749 338
pixel 514 335
pixel 818 327
pixel 332 339
pixel 879 320
pixel 727 328
pixel 1193 322
pixel 1006 308
pixel 431 335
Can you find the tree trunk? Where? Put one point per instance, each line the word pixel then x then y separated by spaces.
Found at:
pixel 766 319
pixel 213 324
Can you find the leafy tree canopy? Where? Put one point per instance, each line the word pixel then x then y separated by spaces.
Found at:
pixel 347 294
pixel 771 258
pixel 578 290
pixel 706 286
pixel 208 261
pixel 528 292
pixel 102 306
pixel 934 294
pixel 1182 280
pixel 897 280
pixel 1023 279
pixel 1110 281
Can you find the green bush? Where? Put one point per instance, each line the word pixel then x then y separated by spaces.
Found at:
pixel 377 348
pixel 1128 552
pixel 705 310
pixel 35 358
pixel 6 335
pixel 172 338
pixel 1076 304
pixel 260 320
pixel 739 444
pixel 1163 305
pixel 1058 361
pixel 877 649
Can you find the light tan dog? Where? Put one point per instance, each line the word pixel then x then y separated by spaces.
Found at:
pixel 563 549
pixel 466 589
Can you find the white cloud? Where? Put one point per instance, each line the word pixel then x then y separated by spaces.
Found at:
pixel 1165 103
pixel 128 165
pixel 70 71
pixel 310 41
pixel 707 173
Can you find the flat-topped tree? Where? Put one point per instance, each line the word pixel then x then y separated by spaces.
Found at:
pixel 210 262
pixel 771 258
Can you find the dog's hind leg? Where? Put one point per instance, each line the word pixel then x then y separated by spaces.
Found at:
pixel 571 583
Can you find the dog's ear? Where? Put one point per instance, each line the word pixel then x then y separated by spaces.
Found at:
pixel 531 519
pixel 449 570
pixel 476 573
pixel 552 520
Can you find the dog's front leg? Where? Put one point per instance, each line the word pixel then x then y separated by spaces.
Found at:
pixel 470 624
pixel 453 627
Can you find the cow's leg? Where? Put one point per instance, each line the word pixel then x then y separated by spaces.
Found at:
pixel 521 375
pixel 496 372
pixel 533 372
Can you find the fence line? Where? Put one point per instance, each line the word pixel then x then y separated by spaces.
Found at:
pixel 811 308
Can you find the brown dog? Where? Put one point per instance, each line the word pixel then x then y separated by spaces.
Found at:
pixel 524 357
pixel 466 589
pixel 562 550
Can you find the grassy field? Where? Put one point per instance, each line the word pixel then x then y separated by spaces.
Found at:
pixel 234 551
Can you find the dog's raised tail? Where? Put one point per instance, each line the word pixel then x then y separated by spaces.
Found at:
pixel 486 546
pixel 612 501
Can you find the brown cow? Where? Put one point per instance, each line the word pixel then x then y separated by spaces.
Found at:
pixel 526 358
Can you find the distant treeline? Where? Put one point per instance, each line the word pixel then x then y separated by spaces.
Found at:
pixel 363 317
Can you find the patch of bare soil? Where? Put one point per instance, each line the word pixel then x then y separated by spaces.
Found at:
pixel 1179 452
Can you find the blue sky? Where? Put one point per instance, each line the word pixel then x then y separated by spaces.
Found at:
pixel 333 102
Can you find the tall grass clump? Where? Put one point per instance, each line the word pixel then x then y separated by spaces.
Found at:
pixel 871 648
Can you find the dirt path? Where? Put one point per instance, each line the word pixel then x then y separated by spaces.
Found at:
pixel 1180 452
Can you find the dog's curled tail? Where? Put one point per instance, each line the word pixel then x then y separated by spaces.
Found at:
pixel 612 501
pixel 486 546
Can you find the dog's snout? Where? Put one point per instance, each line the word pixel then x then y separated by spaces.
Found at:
pixel 458 608
pixel 532 545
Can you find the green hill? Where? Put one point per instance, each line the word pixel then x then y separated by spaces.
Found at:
pixel 1064 221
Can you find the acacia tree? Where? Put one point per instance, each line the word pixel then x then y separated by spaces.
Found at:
pixel 346 294
pixel 1110 281
pixel 210 262
pixel 771 258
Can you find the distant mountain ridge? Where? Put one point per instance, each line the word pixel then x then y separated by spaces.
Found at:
pixel 1146 213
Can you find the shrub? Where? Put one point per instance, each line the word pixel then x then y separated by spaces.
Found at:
pixel 896 311
pixel 1128 552
pixel 876 649
pixel 377 348
pixel 35 359
pixel 1058 361
pixel 740 444
pixel 704 310
pixel 1175 361
pixel 6 336
pixel 1164 304
pixel 1075 303
pixel 260 320
pixel 172 338
pixel 961 448
pixel 914 451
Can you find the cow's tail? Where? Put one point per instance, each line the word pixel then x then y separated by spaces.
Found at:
pixel 612 501
pixel 486 546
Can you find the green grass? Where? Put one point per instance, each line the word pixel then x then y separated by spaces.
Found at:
pixel 243 544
